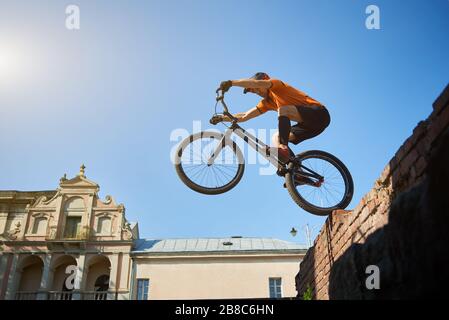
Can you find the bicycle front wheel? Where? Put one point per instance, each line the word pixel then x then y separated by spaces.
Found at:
pixel 319 196
pixel 192 163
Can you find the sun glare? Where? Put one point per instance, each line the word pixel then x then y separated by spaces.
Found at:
pixel 9 63
pixel 14 67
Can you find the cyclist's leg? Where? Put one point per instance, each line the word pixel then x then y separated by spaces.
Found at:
pixel 285 115
pixel 300 134
pixel 275 138
pixel 314 121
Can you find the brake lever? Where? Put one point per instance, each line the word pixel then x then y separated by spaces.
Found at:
pixel 215 119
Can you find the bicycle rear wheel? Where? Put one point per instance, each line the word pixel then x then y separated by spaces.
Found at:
pixel 191 163
pixel 320 196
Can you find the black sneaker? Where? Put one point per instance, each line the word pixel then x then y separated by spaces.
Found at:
pixel 299 181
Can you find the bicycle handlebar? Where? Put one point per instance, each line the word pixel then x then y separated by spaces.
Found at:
pixel 225 107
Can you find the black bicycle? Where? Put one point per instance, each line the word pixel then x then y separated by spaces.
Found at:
pixel 212 163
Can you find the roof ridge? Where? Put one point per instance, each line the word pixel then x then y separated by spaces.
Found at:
pixel 212 238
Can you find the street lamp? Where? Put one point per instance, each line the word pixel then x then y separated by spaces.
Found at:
pixel 293 232
pixel 308 233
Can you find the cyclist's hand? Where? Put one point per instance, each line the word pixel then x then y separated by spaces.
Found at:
pixel 216 119
pixel 225 85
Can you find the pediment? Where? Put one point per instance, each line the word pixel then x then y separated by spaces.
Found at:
pixel 78 182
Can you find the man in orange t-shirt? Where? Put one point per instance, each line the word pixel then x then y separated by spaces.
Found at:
pixel 290 104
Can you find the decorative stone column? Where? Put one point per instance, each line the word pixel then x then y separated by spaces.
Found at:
pixel 4 259
pixel 113 276
pixel 124 276
pixel 45 280
pixel 79 278
pixel 3 218
pixel 13 279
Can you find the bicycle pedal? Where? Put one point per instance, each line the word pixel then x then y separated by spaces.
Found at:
pixel 281 172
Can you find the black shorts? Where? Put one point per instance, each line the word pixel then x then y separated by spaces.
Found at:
pixel 314 120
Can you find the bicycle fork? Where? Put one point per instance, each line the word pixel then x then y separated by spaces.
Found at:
pixel 219 146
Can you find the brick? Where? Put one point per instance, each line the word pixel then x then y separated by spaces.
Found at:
pixel 325 296
pixel 404 168
pixel 372 195
pixel 420 129
pixel 442 101
pixel 372 205
pixel 410 158
pixel 385 175
pixel 408 145
pixel 366 226
pixel 346 245
pixel 396 177
pixel 383 209
pixel 423 147
pixel 359 238
pixel 340 213
pixel 435 129
pixel 320 294
pixel 393 163
pixel 444 116
pixel 420 179
pixel 320 283
pixel 420 166
pixel 379 220
pixel 412 173
pixel 356 212
pixel 403 150
pixel 381 197
pixel 339 218
pixel 326 268
pixel 343 237
pixel 354 229
pixel 365 214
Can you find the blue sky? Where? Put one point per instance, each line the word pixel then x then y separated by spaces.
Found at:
pixel 110 94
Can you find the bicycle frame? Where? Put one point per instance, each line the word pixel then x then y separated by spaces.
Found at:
pixel 254 143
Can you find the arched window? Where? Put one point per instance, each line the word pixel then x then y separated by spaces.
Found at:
pixel 74 204
pixel 104 225
pixel 73 209
pixel 102 283
pixel 40 225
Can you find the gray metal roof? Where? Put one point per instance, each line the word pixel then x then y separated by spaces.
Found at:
pixel 204 245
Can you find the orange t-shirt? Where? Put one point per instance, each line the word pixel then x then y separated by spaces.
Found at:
pixel 281 94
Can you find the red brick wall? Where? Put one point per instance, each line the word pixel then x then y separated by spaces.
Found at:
pixel 344 228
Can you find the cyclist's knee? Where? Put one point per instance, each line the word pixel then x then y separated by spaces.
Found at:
pixel 288 111
pixel 293 139
pixel 275 139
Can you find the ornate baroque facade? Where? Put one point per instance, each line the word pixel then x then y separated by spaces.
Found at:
pixel 49 235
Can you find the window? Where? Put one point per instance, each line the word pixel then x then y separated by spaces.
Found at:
pixel 104 225
pixel 275 287
pixel 40 223
pixel 72 227
pixel 142 289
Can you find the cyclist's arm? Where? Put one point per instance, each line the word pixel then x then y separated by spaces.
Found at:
pixel 245 116
pixel 245 83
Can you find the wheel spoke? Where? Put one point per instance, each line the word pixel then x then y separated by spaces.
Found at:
pixel 194 159
pixel 333 188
